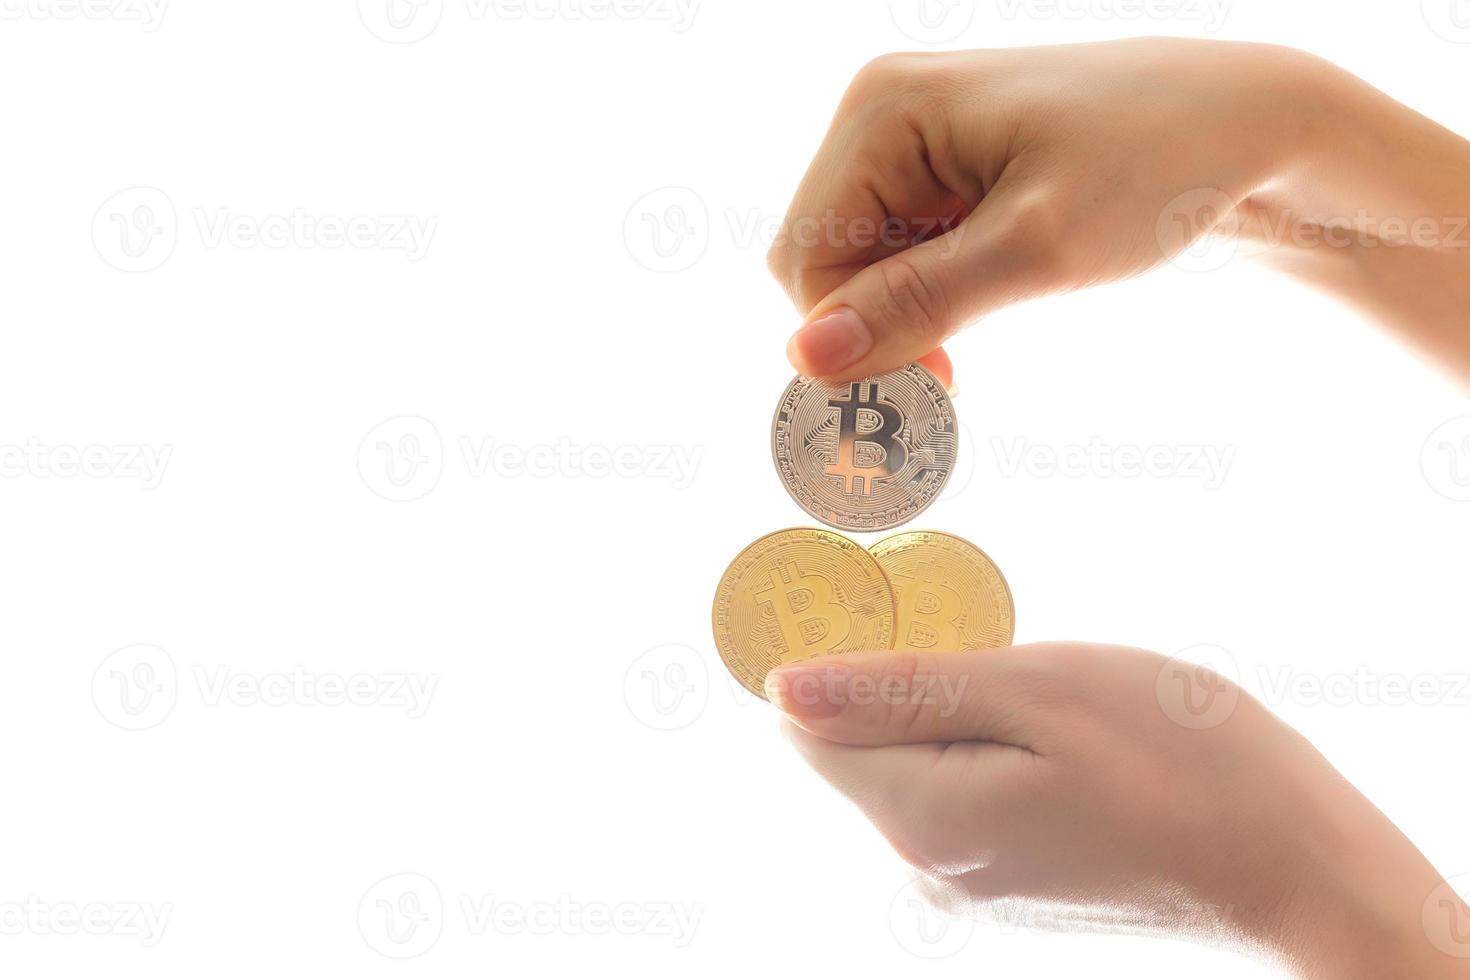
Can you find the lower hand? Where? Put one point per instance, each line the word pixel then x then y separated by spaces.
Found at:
pixel 1070 784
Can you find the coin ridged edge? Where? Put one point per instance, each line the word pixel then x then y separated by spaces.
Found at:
pixel 1005 583
pixel 877 528
pixel 715 604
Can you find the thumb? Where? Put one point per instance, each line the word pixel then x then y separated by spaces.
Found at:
pixel 904 306
pixel 887 698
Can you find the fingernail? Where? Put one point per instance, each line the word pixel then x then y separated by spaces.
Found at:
pixel 809 691
pixel 830 343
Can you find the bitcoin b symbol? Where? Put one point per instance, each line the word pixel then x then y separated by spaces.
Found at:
pixel 862 405
pixel 811 623
pixel 928 613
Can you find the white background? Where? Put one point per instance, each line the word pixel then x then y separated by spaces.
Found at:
pixel 541 313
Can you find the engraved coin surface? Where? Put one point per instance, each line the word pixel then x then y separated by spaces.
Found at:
pixel 795 594
pixel 868 455
pixel 949 594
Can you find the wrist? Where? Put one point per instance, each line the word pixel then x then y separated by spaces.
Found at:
pixel 1354 908
pixel 1289 107
pixel 1353 167
pixel 1316 100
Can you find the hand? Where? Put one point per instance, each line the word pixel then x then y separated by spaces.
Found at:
pixel 953 184
pixel 1091 786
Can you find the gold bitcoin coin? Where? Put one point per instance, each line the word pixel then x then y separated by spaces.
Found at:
pixel 950 595
pixel 795 594
pixel 868 455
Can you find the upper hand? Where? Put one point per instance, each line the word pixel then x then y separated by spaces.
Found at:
pixel 952 184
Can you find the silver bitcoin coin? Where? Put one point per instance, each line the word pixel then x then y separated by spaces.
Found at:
pixel 868 455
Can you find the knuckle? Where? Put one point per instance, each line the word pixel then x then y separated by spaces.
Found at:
pixel 1034 235
pixel 1028 228
pixel 784 264
pixel 805 289
pixel 878 74
pixel 778 260
pixel 899 74
pixel 919 845
pixel 780 263
pixel 914 852
pixel 930 832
